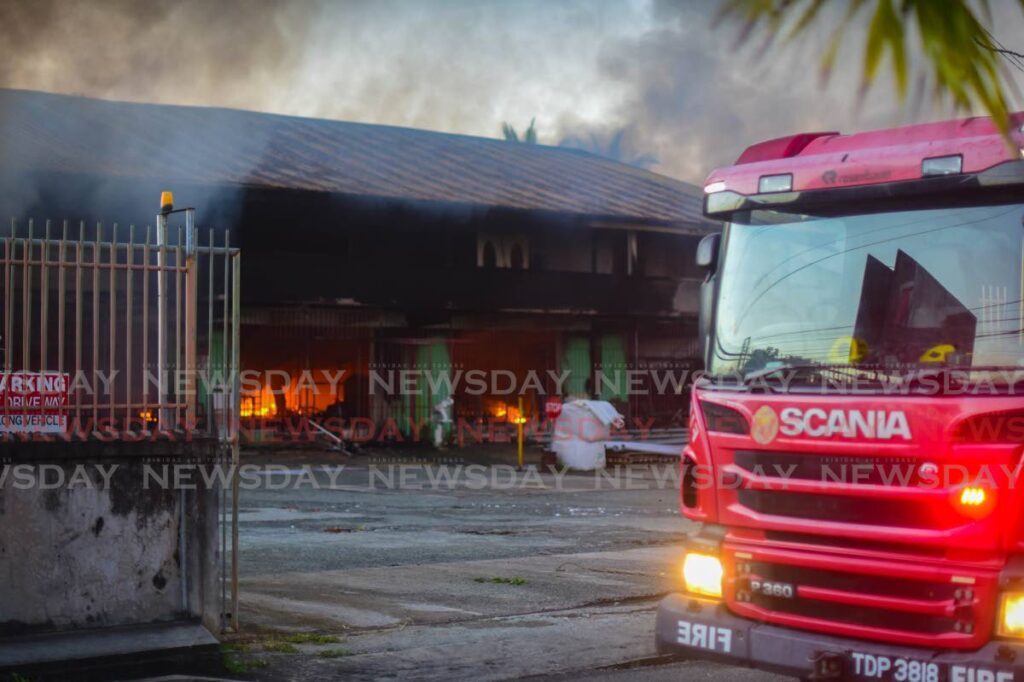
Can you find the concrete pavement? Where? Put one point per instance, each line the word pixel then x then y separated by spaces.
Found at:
pixel 557 576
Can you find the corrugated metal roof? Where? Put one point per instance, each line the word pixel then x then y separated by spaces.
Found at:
pixel 46 132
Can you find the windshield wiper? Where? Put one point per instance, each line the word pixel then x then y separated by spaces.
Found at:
pixel 810 367
pixel 766 372
pixel 761 376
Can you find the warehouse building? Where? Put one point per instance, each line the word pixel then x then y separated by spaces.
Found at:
pixel 371 249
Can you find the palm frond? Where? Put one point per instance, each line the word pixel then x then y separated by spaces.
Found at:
pixel 961 59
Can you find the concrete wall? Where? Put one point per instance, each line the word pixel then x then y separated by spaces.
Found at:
pixel 84 544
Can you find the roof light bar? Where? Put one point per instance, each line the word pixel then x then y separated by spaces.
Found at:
pixel 942 165
pixel 775 183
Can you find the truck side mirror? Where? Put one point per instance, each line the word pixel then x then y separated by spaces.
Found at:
pixel 707 251
pixel 707 259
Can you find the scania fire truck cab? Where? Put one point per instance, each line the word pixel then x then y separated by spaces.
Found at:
pixel 856 443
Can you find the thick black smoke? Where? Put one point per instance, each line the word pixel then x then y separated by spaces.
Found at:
pixel 651 83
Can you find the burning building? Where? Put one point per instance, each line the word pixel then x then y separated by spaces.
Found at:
pixel 390 271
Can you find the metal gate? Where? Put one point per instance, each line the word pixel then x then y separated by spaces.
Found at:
pixel 143 323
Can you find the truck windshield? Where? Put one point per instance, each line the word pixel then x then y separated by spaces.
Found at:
pixel 901 290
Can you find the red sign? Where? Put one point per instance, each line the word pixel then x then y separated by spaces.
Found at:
pixel 553 408
pixel 34 402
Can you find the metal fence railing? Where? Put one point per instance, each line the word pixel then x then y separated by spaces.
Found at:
pixel 129 330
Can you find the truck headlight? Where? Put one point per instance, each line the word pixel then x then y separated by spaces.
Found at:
pixel 1011 615
pixel 702 574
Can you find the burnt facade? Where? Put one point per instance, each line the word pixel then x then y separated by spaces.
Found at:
pixel 445 291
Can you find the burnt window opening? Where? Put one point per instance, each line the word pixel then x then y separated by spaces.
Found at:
pixel 516 258
pixel 488 258
pixel 502 251
pixel 568 250
pixel 664 255
pixel 609 254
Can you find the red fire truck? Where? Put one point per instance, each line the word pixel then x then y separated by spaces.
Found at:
pixel 855 446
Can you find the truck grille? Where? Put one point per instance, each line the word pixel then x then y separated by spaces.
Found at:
pixel 799 486
pixel 856 544
pixel 841 509
pixel 829 468
pixel 899 601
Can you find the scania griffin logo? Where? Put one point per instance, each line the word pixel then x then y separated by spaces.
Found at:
pixel 819 423
pixel 765 426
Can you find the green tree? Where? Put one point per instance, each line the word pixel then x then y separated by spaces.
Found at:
pixel 529 135
pixel 962 61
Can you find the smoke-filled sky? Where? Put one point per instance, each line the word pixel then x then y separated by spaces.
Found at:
pixel 681 95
